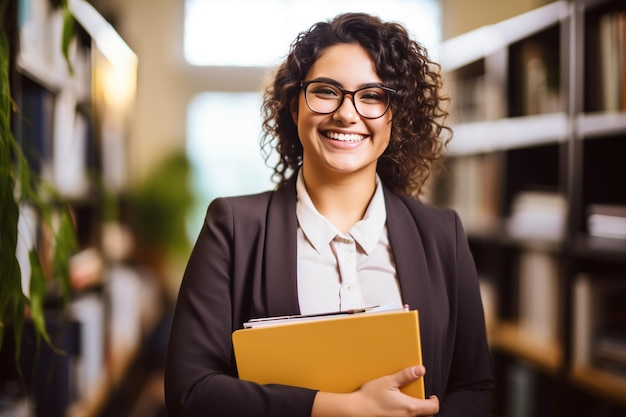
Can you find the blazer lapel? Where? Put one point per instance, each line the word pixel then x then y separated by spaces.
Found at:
pixel 280 257
pixel 412 268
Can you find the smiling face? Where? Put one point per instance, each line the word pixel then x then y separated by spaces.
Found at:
pixel 342 142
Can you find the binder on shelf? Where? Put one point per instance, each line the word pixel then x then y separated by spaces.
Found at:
pixel 334 353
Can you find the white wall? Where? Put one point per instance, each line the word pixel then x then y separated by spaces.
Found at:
pixel 165 85
pixel 460 16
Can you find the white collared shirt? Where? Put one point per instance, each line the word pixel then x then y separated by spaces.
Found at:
pixel 338 271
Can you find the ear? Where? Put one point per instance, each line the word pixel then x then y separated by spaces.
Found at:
pixel 294 108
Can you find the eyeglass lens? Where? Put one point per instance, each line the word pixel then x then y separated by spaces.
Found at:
pixel 325 98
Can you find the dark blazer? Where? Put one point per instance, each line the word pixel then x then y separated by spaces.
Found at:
pixel 244 265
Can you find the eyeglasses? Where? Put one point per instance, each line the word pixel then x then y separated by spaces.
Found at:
pixel 371 102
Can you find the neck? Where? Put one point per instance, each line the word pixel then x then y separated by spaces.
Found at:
pixel 341 200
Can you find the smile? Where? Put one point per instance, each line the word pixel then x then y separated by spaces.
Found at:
pixel 345 137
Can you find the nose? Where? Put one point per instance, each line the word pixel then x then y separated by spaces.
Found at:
pixel 347 112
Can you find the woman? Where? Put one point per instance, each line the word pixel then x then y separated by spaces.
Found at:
pixel 356 114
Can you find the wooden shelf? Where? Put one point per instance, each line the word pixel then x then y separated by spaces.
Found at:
pixel 546 355
pixel 605 384
pixel 601 248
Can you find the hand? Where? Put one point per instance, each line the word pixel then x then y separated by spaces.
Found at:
pixel 377 398
pixel 382 396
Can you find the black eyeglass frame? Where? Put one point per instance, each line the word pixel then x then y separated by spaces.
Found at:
pixel 305 84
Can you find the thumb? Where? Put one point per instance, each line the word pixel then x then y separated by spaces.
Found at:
pixel 409 374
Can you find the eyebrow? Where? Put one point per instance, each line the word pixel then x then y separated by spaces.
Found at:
pixel 338 84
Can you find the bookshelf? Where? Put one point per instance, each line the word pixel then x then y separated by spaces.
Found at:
pixel 71 125
pixel 536 171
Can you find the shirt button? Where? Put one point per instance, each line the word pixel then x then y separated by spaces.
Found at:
pixel 349 287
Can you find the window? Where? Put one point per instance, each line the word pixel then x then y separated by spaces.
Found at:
pixel 223 147
pixel 258 32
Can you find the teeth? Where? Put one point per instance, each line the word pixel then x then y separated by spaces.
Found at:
pixel 345 137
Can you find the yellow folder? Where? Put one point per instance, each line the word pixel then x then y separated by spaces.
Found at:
pixel 334 353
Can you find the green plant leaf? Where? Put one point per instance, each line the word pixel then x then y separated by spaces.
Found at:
pixel 37 295
pixel 68 35
pixel 65 247
pixel 12 301
pixel 6 136
pixel 11 297
pixel 19 305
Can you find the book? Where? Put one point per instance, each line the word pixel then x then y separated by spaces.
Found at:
pixel 612 60
pixel 337 353
pixel 609 353
pixel 607 220
pixel 34 124
pixel 538 291
pixel 599 331
pixel 537 215
pixel 475 184
pixel 520 391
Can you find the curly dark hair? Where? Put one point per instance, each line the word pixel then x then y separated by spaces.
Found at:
pixel 416 145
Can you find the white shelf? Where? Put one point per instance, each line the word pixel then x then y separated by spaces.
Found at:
pixel 41 72
pixel 518 132
pixel 106 38
pixel 600 124
pixel 482 42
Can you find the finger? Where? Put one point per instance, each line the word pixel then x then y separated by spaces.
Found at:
pixel 410 374
pixel 431 406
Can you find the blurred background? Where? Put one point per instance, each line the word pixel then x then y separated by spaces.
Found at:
pixel 157 113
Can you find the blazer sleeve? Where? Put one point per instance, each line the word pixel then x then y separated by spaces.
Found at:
pixel 200 375
pixel 470 382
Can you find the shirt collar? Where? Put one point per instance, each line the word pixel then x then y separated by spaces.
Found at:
pixel 320 232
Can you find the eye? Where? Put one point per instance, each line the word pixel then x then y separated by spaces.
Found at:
pixel 372 95
pixel 324 90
